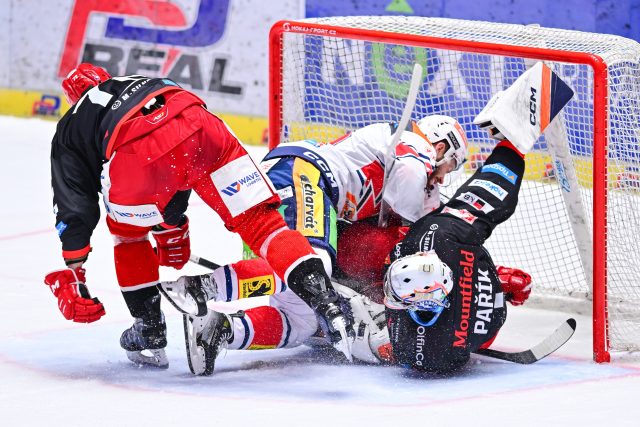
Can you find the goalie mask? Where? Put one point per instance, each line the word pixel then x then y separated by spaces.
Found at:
pixel 437 128
pixel 419 283
pixel 81 78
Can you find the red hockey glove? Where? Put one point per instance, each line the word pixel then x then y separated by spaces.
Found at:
pixel 516 284
pixel 174 246
pixel 74 300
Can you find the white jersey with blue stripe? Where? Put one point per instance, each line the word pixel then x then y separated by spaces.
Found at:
pixel 357 161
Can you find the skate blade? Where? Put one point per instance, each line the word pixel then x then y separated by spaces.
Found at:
pixel 183 301
pixel 152 358
pixel 195 353
pixel 344 345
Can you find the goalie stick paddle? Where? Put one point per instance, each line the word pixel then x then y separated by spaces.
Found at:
pixel 412 96
pixel 538 352
pixel 203 262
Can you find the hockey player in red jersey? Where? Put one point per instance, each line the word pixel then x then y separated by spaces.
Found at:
pixel 145 144
pixel 320 183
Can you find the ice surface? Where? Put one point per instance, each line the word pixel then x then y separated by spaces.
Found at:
pixel 54 372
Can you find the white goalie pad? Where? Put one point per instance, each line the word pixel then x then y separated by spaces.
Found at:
pixel 369 324
pixel 522 112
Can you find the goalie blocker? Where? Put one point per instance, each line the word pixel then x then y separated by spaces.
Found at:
pixel 438 326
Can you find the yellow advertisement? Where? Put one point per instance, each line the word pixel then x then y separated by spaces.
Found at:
pixel 257 286
pixel 309 199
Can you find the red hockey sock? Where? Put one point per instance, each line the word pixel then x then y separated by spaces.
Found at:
pixel 252 278
pixel 136 265
pixel 264 328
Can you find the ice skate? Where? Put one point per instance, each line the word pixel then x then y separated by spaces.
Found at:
pixel 205 337
pixel 144 342
pixel 189 294
pixel 335 323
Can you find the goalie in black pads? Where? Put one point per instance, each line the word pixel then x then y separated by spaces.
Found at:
pixel 443 295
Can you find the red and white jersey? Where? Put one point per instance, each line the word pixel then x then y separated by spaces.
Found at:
pixel 357 162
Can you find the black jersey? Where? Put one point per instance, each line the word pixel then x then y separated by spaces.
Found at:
pixel 456 232
pixel 84 141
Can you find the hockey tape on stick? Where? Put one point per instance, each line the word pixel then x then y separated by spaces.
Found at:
pixel 203 262
pixel 412 96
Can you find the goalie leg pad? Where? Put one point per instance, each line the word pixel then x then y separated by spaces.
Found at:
pixel 523 111
pixel 372 336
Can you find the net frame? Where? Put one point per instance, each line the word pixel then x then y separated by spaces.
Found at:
pixel 600 118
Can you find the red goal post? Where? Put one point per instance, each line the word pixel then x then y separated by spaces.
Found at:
pixel 332 75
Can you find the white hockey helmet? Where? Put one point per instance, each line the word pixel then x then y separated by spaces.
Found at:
pixel 419 283
pixel 437 128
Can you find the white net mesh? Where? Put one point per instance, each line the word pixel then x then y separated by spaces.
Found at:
pixel 332 85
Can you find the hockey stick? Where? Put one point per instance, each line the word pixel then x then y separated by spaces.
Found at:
pixel 538 352
pixel 203 262
pixel 412 96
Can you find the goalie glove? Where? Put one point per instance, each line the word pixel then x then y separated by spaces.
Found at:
pixel 516 284
pixel 74 301
pixel 523 111
pixel 173 245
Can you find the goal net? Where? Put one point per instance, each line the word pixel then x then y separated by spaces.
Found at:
pixel 577 226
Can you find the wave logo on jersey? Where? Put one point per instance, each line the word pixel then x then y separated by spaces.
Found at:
pixel 141 215
pixel 502 170
pixel 168 42
pixel 491 187
pixel 246 181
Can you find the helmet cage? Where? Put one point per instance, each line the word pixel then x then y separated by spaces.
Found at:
pixel 419 303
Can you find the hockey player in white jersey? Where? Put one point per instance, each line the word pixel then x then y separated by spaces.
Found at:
pixel 319 184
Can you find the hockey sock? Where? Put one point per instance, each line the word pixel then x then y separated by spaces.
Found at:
pixel 136 265
pixel 260 328
pixel 143 303
pixel 246 279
